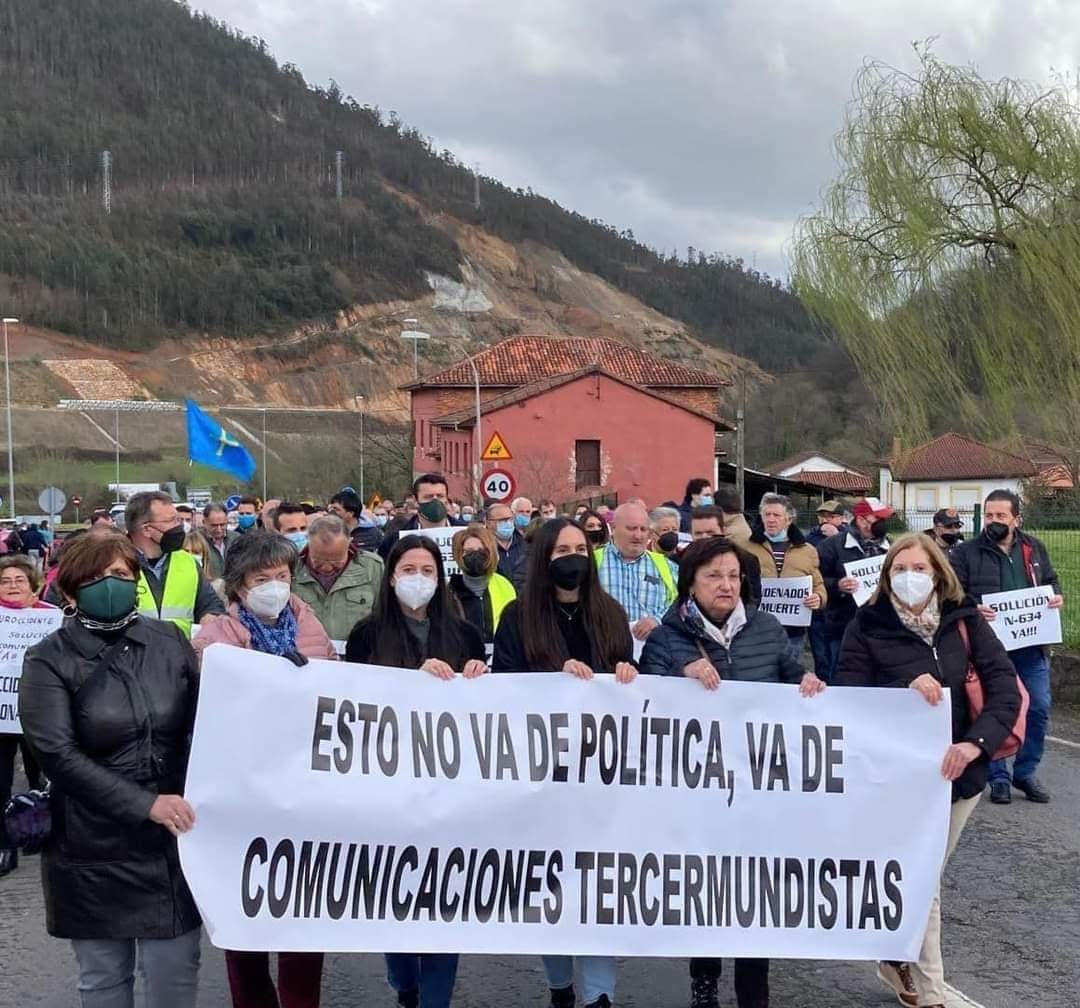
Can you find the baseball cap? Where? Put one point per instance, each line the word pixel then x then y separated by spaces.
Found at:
pixel 865 506
pixel 949 517
pixel 830 507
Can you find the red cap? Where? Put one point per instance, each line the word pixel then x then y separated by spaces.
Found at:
pixel 866 506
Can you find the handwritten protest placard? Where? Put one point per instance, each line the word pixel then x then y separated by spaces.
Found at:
pixel 1023 619
pixel 867 572
pixel 19 630
pixel 783 598
pixel 445 538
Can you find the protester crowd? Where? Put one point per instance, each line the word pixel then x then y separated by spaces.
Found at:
pixel 107 701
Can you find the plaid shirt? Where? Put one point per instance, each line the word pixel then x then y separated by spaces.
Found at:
pixel 635 584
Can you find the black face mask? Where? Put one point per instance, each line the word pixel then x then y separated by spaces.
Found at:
pixel 877 530
pixel 597 536
pixel 474 562
pixel 173 540
pixel 433 511
pixel 570 571
pixel 951 538
pixel 668 542
pixel 997 531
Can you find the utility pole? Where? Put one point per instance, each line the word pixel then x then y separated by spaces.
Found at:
pixel 264 454
pixel 476 186
pixel 740 443
pixel 10 441
pixel 339 158
pixel 106 181
pixel 362 402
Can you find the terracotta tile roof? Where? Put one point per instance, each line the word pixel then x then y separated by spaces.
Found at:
pixel 464 417
pixel 846 481
pixel 522 360
pixel 954 456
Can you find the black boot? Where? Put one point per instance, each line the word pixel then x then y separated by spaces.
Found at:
pixel 409 999
pixel 9 859
pixel 603 1001
pixel 562 997
pixel 703 993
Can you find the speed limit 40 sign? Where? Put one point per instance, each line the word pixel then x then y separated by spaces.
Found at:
pixel 497 486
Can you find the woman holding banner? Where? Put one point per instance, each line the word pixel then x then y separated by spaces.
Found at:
pixel 710 633
pixel 265 616
pixel 413 625
pixel 19 586
pixel 107 704
pixel 564 621
pixel 921 632
pixel 481 593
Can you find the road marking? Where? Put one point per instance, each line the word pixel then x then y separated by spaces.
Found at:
pixel 958 999
pixel 1062 741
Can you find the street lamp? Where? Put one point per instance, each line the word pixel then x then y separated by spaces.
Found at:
pixel 414 335
pixel 360 399
pixel 10 445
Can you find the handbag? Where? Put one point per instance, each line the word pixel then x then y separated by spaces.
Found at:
pixel 977 700
pixel 28 815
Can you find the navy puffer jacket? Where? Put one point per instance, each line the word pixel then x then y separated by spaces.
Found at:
pixel 760 651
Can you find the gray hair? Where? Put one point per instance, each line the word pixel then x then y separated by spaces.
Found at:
pixel 784 502
pixel 327 527
pixel 658 514
pixel 258 550
pixel 140 507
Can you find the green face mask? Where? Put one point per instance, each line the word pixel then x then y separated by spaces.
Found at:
pixel 106 600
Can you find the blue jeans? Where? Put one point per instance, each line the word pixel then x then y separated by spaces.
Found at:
pixel 1033 668
pixel 169 967
pixel 597 975
pixel 832 657
pixel 431 973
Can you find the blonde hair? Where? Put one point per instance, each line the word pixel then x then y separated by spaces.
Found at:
pixel 486 536
pixel 946 583
pixel 195 544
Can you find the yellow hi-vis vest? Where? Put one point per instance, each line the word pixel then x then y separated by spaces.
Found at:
pixel 501 592
pixel 177 594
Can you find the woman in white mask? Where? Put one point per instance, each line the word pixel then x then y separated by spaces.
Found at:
pixel 265 616
pixel 920 632
pixel 414 625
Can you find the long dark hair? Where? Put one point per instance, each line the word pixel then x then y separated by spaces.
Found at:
pixel 585 516
pixel 394 642
pixel 605 621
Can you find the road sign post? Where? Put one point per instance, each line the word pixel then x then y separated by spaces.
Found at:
pixel 497 486
pixel 52 500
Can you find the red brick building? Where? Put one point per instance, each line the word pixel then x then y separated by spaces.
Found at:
pixel 580 417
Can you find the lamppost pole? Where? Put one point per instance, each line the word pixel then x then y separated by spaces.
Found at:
pixel 10 442
pixel 362 401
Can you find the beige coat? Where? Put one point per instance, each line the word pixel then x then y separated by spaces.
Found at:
pixel 800 560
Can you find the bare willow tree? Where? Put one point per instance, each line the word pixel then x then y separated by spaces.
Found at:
pixel 946 254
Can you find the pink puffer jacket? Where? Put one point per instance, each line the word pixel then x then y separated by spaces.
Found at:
pixel 311 639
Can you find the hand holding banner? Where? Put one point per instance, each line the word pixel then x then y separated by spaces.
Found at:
pixel 783 597
pixel 867 572
pixel 1023 617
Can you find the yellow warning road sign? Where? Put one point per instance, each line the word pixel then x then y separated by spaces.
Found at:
pixel 496 450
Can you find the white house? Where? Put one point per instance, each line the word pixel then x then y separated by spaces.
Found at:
pixel 951 471
pixel 818 470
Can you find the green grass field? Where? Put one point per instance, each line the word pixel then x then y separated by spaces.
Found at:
pixel 1064 547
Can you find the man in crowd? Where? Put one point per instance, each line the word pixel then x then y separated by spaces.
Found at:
pixel 101 518
pixel 736 527
pixel 1002 558
pixel 523 512
pixel 338 580
pixel 431 493
pixel 247 514
pixel 171 586
pixel 946 531
pixel 363 532
pixel 698 494
pixel 864 538
pixel 640 581
pixel 548 509
pixel 215 530
pixel 707 522
pixel 513 550
pixel 830 517
pixel 187 519
pixel 291 522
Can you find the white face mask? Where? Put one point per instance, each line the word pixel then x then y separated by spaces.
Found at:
pixel 414 590
pixel 187 527
pixel 267 600
pixel 912 588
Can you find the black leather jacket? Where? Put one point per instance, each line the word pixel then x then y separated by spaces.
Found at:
pixel 111 741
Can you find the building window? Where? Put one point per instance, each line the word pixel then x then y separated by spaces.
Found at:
pixel 587 458
pixel 926 499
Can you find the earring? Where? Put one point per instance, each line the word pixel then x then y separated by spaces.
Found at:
pixel 69 609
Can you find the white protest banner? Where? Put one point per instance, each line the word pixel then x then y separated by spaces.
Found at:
pixel 1023 619
pixel 783 598
pixel 867 572
pixel 19 630
pixel 445 538
pixel 370 809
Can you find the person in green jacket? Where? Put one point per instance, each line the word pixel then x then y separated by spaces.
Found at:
pixel 338 581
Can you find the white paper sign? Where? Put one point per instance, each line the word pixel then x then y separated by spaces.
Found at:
pixel 445 538
pixel 1023 619
pixel 639 645
pixel 783 598
pixel 19 629
pixel 371 809
pixel 867 572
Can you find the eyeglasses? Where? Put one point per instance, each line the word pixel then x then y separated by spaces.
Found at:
pixel 16 582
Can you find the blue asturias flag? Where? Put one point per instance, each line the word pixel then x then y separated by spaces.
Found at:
pixel 209 444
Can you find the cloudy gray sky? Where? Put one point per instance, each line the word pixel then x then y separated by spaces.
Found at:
pixel 693 122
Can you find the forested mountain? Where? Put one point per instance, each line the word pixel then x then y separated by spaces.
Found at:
pixel 224 215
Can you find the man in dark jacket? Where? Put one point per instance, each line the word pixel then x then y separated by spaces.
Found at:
pixel 830 517
pixel 1002 558
pixel 864 538
pixel 364 534
pixel 432 497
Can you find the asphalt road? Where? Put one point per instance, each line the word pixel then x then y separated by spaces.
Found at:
pixel 1012 929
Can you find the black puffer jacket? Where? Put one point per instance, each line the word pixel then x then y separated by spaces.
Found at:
pixel 760 651
pixel 978 564
pixel 111 742
pixel 840 549
pixel 878 650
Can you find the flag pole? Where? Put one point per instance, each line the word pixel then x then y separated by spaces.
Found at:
pixel 264 455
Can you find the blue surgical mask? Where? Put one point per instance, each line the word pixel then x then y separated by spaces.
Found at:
pixel 777 537
pixel 245 521
pixel 521 521
pixel 504 529
pixel 298 539
pixel 380 520
pixel 705 500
